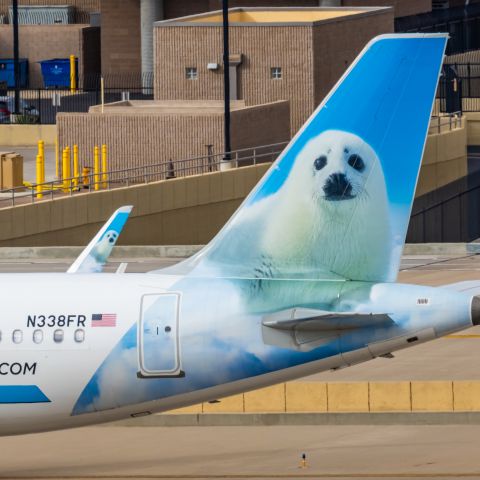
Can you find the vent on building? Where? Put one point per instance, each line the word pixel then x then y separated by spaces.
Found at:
pixel 43 15
pixel 440 4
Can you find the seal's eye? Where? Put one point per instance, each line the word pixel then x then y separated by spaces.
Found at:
pixel 320 162
pixel 356 162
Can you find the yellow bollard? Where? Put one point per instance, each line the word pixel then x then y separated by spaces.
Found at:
pixel 73 74
pixel 96 168
pixel 66 170
pixel 41 148
pixel 39 177
pixel 104 167
pixel 57 160
pixel 76 171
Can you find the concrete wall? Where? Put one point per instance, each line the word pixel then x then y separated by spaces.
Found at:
pixel 27 135
pixel 185 211
pixel 350 397
pixel 473 128
pixel 172 212
pixel 444 160
pixel 311 58
pixel 43 42
pixel 141 138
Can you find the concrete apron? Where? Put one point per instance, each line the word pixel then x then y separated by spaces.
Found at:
pixel 182 251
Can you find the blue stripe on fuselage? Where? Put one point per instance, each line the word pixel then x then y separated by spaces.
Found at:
pixel 22 394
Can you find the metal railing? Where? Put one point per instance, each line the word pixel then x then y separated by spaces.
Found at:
pixel 450 213
pixel 445 123
pixel 42 105
pixel 139 175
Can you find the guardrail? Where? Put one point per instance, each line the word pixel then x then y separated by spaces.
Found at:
pixel 445 123
pixel 139 175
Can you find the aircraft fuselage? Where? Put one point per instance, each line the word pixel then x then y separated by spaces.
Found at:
pixel 84 349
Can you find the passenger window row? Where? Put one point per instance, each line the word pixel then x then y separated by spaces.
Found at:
pixel 58 336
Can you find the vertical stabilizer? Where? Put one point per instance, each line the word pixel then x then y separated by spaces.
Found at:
pixel 337 202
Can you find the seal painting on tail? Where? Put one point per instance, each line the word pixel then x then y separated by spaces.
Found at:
pixel 330 213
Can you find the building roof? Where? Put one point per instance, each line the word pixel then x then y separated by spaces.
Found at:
pixel 188 108
pixel 273 16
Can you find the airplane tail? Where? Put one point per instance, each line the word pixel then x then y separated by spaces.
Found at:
pixel 337 202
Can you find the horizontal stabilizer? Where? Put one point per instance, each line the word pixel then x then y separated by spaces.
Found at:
pixel 308 319
pixel 304 329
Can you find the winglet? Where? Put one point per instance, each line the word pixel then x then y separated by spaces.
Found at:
pixel 95 255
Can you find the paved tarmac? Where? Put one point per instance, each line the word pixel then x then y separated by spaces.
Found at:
pixel 353 452
pixel 113 452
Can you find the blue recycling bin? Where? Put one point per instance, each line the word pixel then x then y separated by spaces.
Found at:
pixel 7 72
pixel 56 72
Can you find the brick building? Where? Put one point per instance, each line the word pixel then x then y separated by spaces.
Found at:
pixel 126 25
pixel 276 54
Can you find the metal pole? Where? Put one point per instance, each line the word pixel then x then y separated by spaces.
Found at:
pixel 16 56
pixel 226 81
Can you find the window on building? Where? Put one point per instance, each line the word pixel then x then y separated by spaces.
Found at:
pixel 191 73
pixel 79 335
pixel 276 73
pixel 17 336
pixel 38 336
pixel 58 336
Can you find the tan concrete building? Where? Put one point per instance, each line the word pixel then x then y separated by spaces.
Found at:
pixel 276 54
pixel 146 133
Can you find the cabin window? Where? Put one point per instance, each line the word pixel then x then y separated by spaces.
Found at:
pixel 17 336
pixel 191 73
pixel 38 336
pixel 79 335
pixel 276 73
pixel 58 336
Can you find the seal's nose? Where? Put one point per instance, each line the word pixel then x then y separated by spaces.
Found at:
pixel 476 310
pixel 337 187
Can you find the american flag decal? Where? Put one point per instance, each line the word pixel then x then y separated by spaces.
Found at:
pixel 104 320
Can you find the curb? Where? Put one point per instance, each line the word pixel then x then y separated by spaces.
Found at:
pixel 286 419
pixel 441 249
pixel 182 251
pixel 120 252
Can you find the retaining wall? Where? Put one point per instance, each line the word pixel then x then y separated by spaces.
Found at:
pixel 350 397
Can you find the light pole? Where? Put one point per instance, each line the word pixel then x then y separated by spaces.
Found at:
pixel 16 56
pixel 226 82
